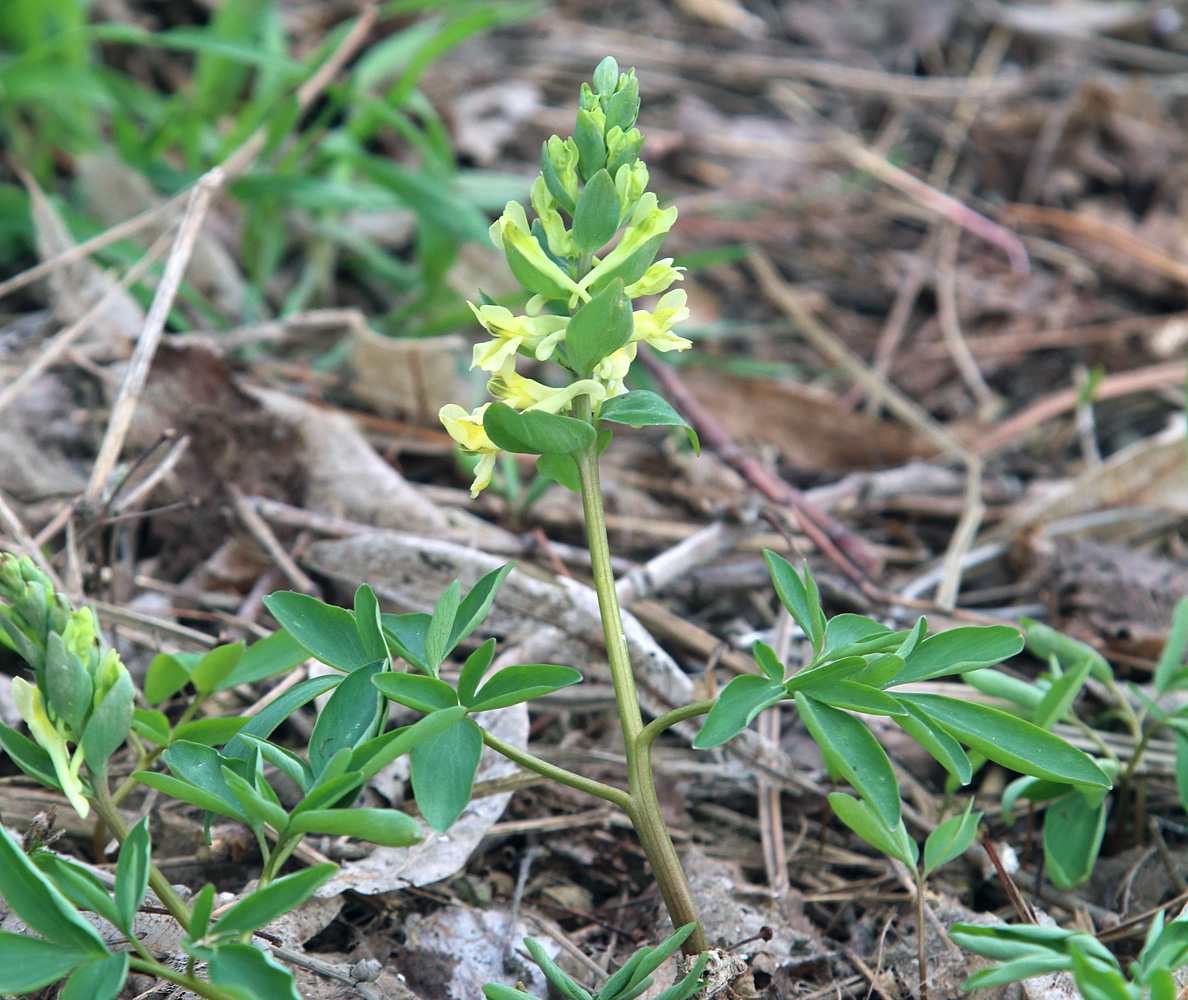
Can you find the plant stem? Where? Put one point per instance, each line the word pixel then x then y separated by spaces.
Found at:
pixel 921 959
pixel 110 815
pixel 191 983
pixel 645 806
pixel 611 794
pixel 647 735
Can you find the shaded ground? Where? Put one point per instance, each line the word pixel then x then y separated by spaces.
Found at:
pixel 937 281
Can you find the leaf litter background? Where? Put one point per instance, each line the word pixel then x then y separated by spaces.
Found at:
pixel 938 287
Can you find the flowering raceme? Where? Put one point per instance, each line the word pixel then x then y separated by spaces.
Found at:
pixel 589 328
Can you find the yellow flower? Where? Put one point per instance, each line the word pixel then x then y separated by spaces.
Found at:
pixel 656 327
pixel 538 334
pixel 467 430
pixel 528 394
pixel 533 268
pixel 612 370
pixel 52 739
pixel 656 279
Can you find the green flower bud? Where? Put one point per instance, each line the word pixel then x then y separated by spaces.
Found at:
pixel 81 636
pixel 630 182
pixel 69 685
pixel 622 148
pixel 558 167
pixel 622 107
pixel 559 239
pixel 111 717
pixel 606 77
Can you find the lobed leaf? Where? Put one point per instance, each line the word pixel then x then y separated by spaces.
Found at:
pixel 132 873
pixel 246 970
pixel 102 979
pixel 328 633
pixel 740 701
pixel 959 650
pixel 264 905
pixel 523 682
pixel 386 827
pixel 443 769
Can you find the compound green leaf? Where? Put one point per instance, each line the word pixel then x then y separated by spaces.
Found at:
pixel 473 671
pixel 33 898
pixel 29 963
pixel 798 596
pixel 951 839
pixel 351 715
pixel 132 872
pixel 959 650
pixel 267 719
pixel 99 980
pixel 216 666
pixel 416 691
pixel 272 655
pixel 405 635
pixel 892 840
pixel 477 603
pixel 1073 831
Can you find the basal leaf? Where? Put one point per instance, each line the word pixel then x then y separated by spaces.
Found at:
pixel 854 697
pixel 416 691
pixel 215 666
pixel 267 719
pixel 132 872
pixel 350 716
pixel 477 604
pixel 959 650
pixel 386 827
pixel 405 635
pixel 264 905
pixel 246 970
pixel 892 840
pixel 937 740
pixel 441 625
pixel 951 839
pixel 473 671
pixel 795 594
pixel 367 621
pixel 1073 831
pixel 269 656
pixel 374 755
pixel 101 979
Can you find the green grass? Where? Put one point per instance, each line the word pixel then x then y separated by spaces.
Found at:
pixel 66 88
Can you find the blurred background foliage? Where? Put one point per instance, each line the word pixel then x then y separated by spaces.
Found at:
pixel 82 86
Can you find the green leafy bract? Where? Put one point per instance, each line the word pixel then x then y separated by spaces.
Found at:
pixel 534 432
pixel 595 217
pixel 642 408
pixel 601 326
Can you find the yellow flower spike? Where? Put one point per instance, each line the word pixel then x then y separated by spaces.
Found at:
pixel 656 279
pixel 647 221
pixel 28 702
pixel 631 181
pixel 656 327
pixel 467 429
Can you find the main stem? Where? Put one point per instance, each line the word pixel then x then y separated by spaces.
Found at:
pixel 645 806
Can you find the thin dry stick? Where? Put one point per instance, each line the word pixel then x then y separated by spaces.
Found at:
pixel 790 301
pixel 835 540
pixel 149 483
pixel 645 580
pixel 264 535
pixel 967 108
pixel 150 336
pixel 62 340
pixel 26 541
pixel 771 822
pixel 989 404
pixel 935 201
pixel 119 231
pixel 1065 401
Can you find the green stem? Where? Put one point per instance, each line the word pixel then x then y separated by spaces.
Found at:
pixel 147 760
pixel 645 812
pixel 110 815
pixel 152 967
pixel 280 854
pixel 648 734
pixel 616 796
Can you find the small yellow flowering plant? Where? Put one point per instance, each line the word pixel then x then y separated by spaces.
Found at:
pixel 581 314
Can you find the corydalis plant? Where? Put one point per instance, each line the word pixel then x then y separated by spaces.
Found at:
pixel 598 182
